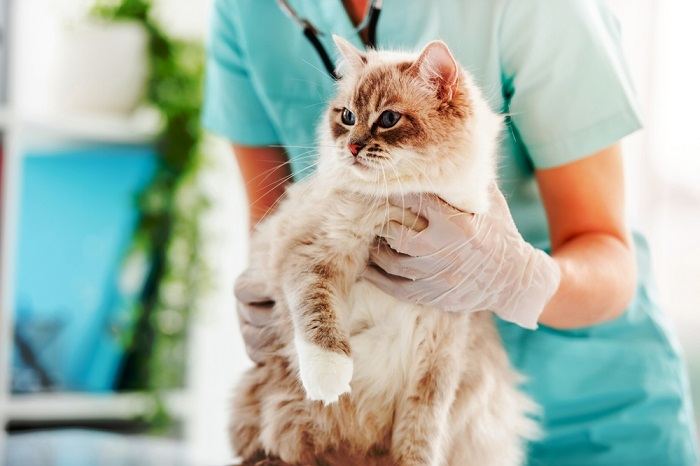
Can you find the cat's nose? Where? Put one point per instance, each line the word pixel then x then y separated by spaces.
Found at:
pixel 355 148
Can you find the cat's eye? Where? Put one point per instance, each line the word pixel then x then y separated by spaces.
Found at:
pixel 347 117
pixel 389 118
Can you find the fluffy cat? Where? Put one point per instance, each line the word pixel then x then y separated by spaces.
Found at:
pixel 356 376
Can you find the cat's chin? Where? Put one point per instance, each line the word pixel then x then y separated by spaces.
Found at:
pixel 355 174
pixel 363 170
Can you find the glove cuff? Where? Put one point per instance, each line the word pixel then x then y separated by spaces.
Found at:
pixel 541 280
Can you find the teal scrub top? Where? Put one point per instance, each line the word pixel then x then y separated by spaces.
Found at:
pixel 612 394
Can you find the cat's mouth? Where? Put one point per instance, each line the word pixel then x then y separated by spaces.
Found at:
pixel 361 163
pixel 368 161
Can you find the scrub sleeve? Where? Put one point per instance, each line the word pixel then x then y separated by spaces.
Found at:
pixel 567 87
pixel 232 108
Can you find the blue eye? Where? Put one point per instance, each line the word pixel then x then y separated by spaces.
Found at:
pixel 347 117
pixel 389 118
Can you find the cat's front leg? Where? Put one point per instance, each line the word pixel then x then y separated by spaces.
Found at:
pixel 325 373
pixel 316 301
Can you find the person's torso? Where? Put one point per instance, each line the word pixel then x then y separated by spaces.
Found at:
pixel 594 383
pixel 294 86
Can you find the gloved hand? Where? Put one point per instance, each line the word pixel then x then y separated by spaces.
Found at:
pixel 464 262
pixel 254 317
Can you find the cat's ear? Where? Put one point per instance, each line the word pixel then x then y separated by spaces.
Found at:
pixel 437 66
pixel 353 59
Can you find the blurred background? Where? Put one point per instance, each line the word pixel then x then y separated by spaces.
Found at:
pixel 123 225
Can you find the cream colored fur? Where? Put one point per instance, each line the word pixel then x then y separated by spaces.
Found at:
pixel 420 386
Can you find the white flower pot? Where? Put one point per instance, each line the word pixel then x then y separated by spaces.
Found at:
pixel 99 67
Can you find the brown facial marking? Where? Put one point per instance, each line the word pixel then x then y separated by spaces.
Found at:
pixel 370 86
pixel 389 101
pixel 411 132
pixel 361 136
pixel 428 120
pixel 338 130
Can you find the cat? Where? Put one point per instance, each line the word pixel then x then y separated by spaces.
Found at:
pixel 356 377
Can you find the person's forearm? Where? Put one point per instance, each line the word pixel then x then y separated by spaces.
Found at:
pixel 598 279
pixel 265 174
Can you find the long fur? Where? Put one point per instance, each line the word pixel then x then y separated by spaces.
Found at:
pixel 356 376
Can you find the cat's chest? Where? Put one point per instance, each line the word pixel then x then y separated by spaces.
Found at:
pixel 349 226
pixel 385 337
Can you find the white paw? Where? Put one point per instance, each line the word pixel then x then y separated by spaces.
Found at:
pixel 324 374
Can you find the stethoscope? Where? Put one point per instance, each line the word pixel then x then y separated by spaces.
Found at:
pixel 312 34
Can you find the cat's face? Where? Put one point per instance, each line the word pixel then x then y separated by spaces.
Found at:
pixel 400 122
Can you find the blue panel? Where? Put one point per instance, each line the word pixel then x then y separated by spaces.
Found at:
pixel 78 212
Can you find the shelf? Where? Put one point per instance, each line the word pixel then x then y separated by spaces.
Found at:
pixel 82 406
pixel 140 127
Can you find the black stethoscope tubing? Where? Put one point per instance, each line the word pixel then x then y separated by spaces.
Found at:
pixel 312 34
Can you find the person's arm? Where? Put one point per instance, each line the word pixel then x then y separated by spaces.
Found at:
pixel 265 174
pixel 590 240
pixel 464 263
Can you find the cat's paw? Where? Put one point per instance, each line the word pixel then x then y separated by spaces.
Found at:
pixel 324 374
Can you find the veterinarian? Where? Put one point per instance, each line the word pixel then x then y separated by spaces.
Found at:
pixel 603 363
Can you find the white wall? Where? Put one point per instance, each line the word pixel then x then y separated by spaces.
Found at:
pixel 661 39
pixel 218 356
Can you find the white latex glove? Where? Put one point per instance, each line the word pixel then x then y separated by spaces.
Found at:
pixel 254 317
pixel 464 262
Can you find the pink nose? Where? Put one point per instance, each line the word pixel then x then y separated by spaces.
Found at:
pixel 355 148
